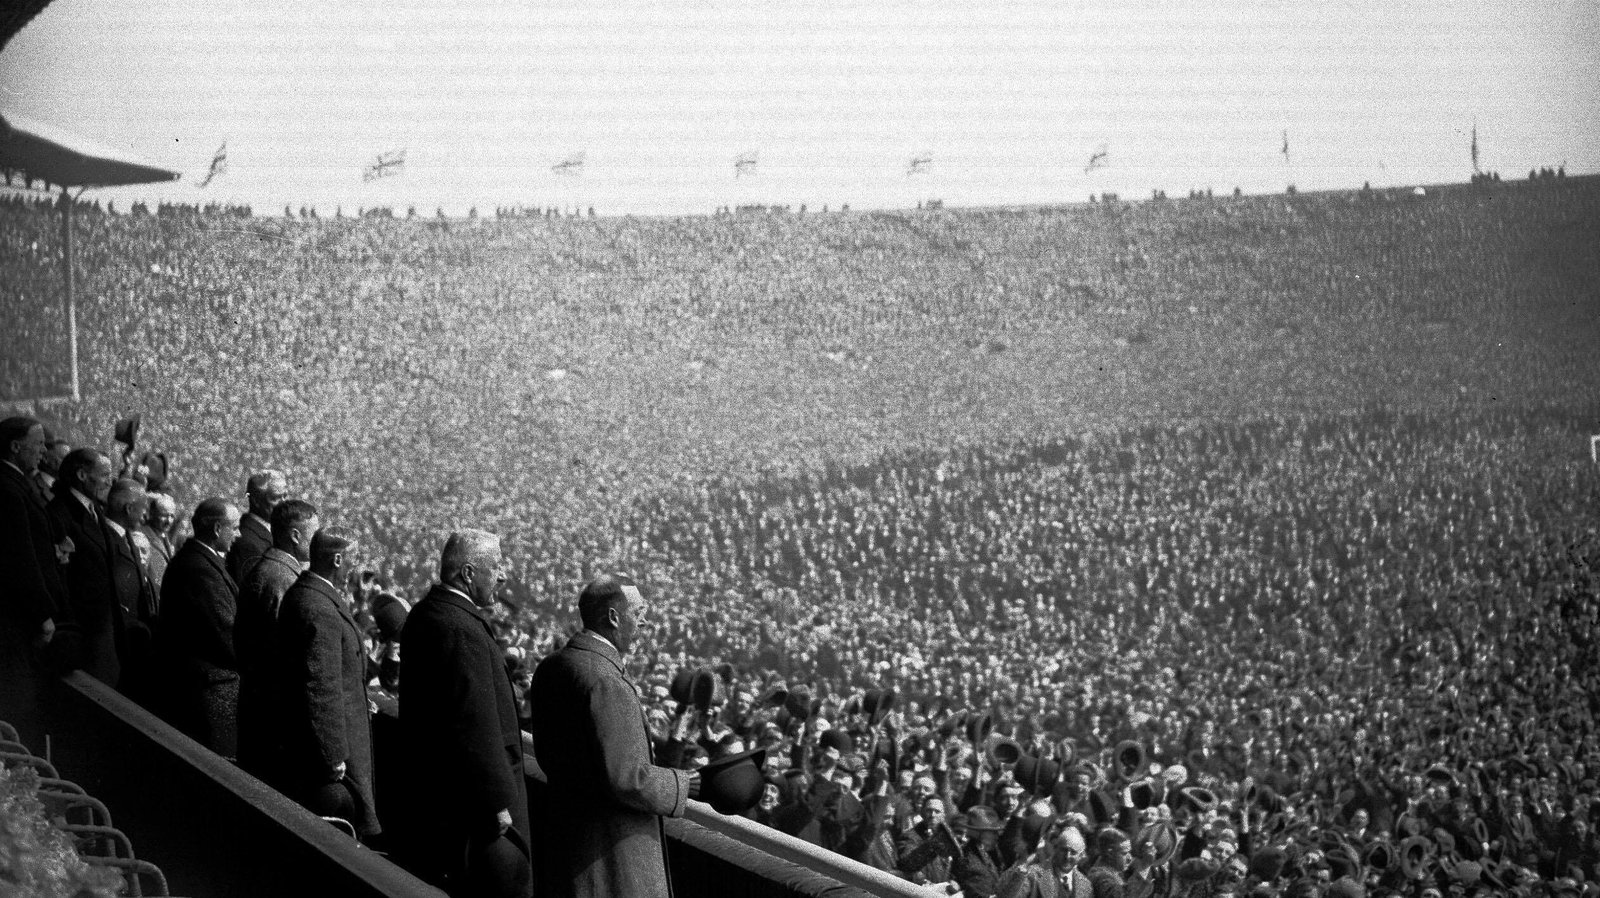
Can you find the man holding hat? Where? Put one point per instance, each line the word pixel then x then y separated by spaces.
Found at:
pixel 592 744
pixel 977 868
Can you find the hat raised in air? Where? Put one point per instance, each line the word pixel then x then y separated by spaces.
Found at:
pixel 733 785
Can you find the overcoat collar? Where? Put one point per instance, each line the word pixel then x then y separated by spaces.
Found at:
pixel 588 642
pixel 322 588
pixel 209 555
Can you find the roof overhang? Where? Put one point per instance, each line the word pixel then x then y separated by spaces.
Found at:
pixel 43 152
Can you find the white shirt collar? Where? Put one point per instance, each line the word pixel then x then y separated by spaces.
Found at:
pixel 87 502
pixel 204 545
pixel 16 468
pixel 603 639
pixel 118 529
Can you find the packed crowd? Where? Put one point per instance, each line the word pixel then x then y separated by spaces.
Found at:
pixel 1350 643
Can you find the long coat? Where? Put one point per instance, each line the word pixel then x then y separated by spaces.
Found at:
pixel 260 595
pixel 590 739
pixel 461 741
pixel 30 593
pixel 136 602
pixel 255 538
pixel 195 646
pixel 91 586
pixel 319 686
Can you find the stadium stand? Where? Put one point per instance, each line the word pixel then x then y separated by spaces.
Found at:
pixel 1289 497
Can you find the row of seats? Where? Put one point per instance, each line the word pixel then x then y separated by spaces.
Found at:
pixel 85 819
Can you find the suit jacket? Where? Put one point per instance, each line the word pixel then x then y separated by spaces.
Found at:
pixel 136 601
pixel 977 871
pixel 42 492
pixel 90 579
pixel 591 741
pixel 195 644
pixel 461 742
pixel 33 592
pixel 260 595
pixel 318 680
pixel 255 538
pixel 1040 881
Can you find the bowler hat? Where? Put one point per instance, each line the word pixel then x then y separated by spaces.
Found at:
pixel 877 704
pixel 1147 793
pixel 979 726
pixel 774 695
pixel 839 740
pixel 1129 759
pixel 733 785
pixel 1162 836
pixel 1379 856
pixel 983 819
pixel 798 703
pixel 1038 775
pixel 680 688
pixel 333 800
pixel 1415 852
pixel 1003 750
pixel 703 689
pixel 389 614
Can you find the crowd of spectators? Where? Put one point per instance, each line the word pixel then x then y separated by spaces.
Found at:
pixel 885 452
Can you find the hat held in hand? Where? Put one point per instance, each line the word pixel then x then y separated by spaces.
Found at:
pixel 733 785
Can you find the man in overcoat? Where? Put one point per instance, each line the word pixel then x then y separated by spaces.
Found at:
pixel 319 686
pixel 33 595
pixel 591 742
pixel 78 514
pixel 265 490
pixel 465 806
pixel 195 640
pixel 261 594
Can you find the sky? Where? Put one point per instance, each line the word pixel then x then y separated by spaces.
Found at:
pixel 1008 99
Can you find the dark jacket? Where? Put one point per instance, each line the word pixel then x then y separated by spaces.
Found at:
pixel 91 586
pixel 977 871
pixel 590 739
pixel 255 538
pixel 462 746
pixel 33 592
pixel 195 647
pixel 136 602
pixel 161 552
pixel 319 687
pixel 260 595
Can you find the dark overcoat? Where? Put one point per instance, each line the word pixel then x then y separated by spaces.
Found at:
pixel 591 742
pixel 195 647
pixel 91 586
pixel 461 741
pixel 136 602
pixel 319 686
pixel 255 538
pixel 31 592
pixel 260 595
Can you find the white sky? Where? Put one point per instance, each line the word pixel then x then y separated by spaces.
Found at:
pixel 1009 97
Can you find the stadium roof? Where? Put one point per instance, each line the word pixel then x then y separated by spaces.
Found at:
pixel 13 16
pixel 41 151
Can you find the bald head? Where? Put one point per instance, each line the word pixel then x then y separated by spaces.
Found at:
pixel 127 502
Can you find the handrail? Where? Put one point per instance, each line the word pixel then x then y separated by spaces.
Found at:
pixel 804 854
pixel 765 839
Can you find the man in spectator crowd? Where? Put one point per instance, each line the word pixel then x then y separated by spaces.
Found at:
pixel 592 744
pixel 465 814
pixel 978 867
pixel 266 582
pixel 78 512
pixel 199 601
pixel 29 569
pixel 318 679
pixel 264 491
pixel 157 526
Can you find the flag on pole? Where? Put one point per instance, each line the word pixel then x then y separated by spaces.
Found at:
pixel 387 164
pixel 572 165
pixel 744 164
pixel 1285 149
pixel 219 164
pixel 1475 148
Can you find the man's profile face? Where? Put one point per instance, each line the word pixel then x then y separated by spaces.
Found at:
pixel 96 480
pixel 228 530
pixel 632 609
pixel 488 575
pixel 30 448
pixel 270 496
pixel 307 529
pixel 50 460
